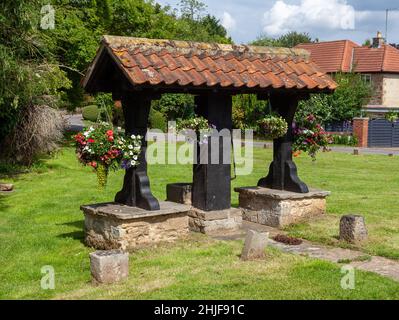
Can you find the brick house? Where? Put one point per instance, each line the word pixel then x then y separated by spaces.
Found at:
pixel 378 64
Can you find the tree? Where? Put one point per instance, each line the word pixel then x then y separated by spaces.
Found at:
pixel 289 40
pixel 343 105
pixel 192 9
pixel 28 73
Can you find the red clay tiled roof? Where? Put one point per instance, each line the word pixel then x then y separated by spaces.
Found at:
pixel 331 56
pixel 163 63
pixel 384 59
pixel 343 55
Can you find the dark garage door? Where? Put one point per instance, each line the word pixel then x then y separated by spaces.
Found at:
pixel 383 133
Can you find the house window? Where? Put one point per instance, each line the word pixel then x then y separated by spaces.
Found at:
pixel 366 78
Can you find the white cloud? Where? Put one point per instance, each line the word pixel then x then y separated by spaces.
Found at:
pixel 309 15
pixel 228 21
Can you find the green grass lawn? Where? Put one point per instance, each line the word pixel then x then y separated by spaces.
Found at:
pixel 41 224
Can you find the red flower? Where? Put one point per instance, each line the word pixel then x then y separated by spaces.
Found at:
pixel 110 133
pixel 93 164
pixel 110 138
pixel 91 140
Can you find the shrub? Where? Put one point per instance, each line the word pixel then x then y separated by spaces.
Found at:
pixel 344 139
pixel 39 132
pixel 157 120
pixel 90 113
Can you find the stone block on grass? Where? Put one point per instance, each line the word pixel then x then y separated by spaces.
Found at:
pixel 352 228
pixel 6 187
pixel 179 192
pixel 109 266
pixel 254 246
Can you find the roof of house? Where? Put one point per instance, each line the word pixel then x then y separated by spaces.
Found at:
pixel 166 63
pixel 331 56
pixel 345 55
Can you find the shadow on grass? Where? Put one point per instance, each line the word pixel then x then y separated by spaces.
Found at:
pixel 75 235
pixel 77 224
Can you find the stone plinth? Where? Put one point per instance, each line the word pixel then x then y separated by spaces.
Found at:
pixel 279 208
pixel 179 192
pixel 109 266
pixel 215 221
pixel 352 228
pixel 114 226
pixel 254 246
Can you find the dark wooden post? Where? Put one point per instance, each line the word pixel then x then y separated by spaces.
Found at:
pixel 211 182
pixel 136 190
pixel 283 172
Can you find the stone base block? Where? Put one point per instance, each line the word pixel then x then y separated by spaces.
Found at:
pixel 114 226
pixel 279 208
pixel 109 266
pixel 215 221
pixel 179 192
pixel 254 245
pixel 352 228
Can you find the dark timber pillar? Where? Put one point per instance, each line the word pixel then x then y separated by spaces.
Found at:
pixel 282 172
pixel 211 181
pixel 136 185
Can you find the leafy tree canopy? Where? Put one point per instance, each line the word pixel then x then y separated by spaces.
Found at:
pixel 344 104
pixel 289 40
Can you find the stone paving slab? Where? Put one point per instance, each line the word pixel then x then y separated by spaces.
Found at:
pixel 382 266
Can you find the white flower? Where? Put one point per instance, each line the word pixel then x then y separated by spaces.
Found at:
pixel 133 163
pixel 133 136
pixel 130 153
pixel 135 158
pixel 130 146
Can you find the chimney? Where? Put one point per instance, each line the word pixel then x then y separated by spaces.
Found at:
pixel 378 41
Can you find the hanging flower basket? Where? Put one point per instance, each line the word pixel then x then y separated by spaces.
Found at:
pixel 273 126
pixel 309 137
pixel 103 149
pixel 199 125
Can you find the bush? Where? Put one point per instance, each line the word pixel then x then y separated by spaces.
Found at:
pixel 39 132
pixel 344 139
pixel 90 113
pixel 157 120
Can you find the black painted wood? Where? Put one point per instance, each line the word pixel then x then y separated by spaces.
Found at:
pixel 282 171
pixel 136 190
pixel 212 182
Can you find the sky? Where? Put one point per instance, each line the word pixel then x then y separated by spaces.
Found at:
pixel 325 20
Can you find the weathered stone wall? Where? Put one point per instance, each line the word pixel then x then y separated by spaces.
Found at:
pixel 279 208
pixel 214 221
pixel 105 231
pixel 377 80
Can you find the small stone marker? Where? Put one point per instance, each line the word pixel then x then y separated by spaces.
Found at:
pixel 254 246
pixel 109 266
pixel 352 228
pixel 356 152
pixel 6 187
